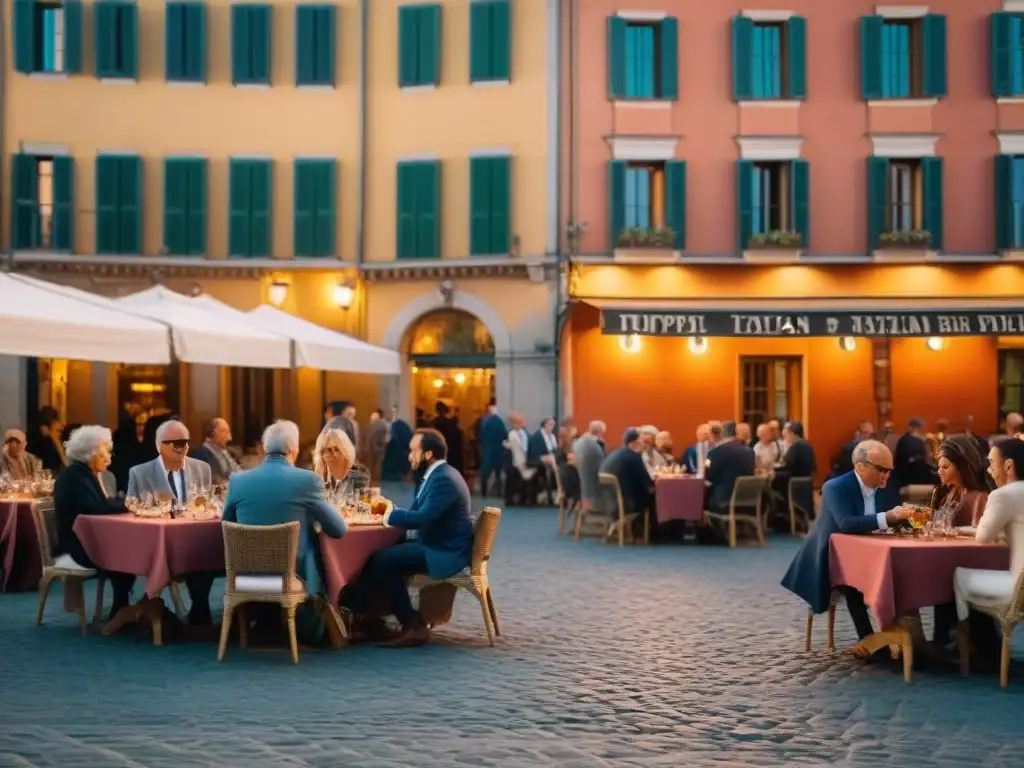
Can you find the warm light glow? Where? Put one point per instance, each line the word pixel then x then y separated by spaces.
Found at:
pixel 630 343
pixel 438 383
pixel 698 344
pixel 415 369
pixel 936 343
pixel 343 295
pixel 277 293
pixel 147 388
pixel 848 343
pixel 460 378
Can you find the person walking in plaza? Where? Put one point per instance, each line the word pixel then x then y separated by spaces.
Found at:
pixel 396 455
pixel 493 433
pixel 377 436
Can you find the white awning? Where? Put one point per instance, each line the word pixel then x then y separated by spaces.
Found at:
pixel 42 319
pixel 209 338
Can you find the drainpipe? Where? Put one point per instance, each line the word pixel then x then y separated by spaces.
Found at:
pixel 364 26
pixel 9 251
pixel 559 261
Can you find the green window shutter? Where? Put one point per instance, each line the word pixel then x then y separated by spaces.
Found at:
pixel 315 207
pixel 931 173
pixel 744 202
pixel 261 39
pixel 63 204
pixel 669 58
pixel 1000 26
pixel 25 27
pixel 251 44
pixel 197 207
pixel 878 185
pixel 616 57
pixel 501 204
pixel 325 231
pixel 405 226
pixel 675 201
pixel 303 217
pixel 107 186
pixel 241 36
pixel 104 20
pixel 742 61
pixel 616 201
pixel 326 44
pixel 315 44
pixel 176 205
pixel 479 42
pixel 800 193
pixel 501 40
pixel 481 172
pixel 429 50
pixel 871 58
pixel 796 57
pixel 195 42
pixel 129 204
pixel 239 204
pixel 428 210
pixel 72 36
pixel 1004 202
pixel 408 45
pixel 933 80
pixel 261 188
pixel 174 55
pixel 128 39
pixel 25 201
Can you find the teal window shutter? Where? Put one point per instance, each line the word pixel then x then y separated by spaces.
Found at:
pixel 195 50
pixel 1004 203
pixel 197 206
pixel 185 53
pixel 260 205
pixel 877 187
pixel 174 55
pixel 796 62
pixel 251 44
pixel 105 43
pixel 744 202
pixel 931 182
pixel 325 231
pixel 501 204
pixel 616 57
pixel 429 58
pixel 107 186
pixel 668 51
pixel 501 40
pixel 428 211
pixel 241 35
pixel 63 204
pixel 239 205
pixel 871 58
pixel 314 213
pixel 315 40
pixel 72 36
pixel 129 205
pixel 675 201
pixel 405 227
pixel 933 35
pixel 490 40
pixel 26 53
pixel 304 214
pixel 128 27
pixel 408 45
pixel 24 201
pixel 116 39
pixel 262 44
pixel 742 62
pixel 481 172
pixel 616 201
pixel 800 193
pixel 185 206
pixel 1001 51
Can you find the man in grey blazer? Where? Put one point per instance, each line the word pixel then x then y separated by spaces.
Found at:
pixel 588 454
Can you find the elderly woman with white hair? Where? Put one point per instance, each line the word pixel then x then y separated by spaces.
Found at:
pixel 654 459
pixel 334 459
pixel 79 491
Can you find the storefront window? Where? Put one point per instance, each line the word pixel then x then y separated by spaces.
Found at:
pixel 147 390
pixel 771 389
pixel 1011 364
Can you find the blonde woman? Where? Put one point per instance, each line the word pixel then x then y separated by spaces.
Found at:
pixel 334 459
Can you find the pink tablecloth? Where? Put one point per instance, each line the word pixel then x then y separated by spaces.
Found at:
pixel 22 567
pixel 898 575
pixel 344 558
pixel 679 498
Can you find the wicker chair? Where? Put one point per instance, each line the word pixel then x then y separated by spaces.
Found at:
pixel 1009 615
pixel 73 578
pixel 566 505
pixel 623 523
pixel 260 568
pixel 801 491
pixel 831 624
pixel 475 581
pixel 748 493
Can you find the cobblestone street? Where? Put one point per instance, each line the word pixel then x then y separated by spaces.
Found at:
pixel 667 656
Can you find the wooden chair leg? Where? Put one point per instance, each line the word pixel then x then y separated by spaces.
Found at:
pixel 225 632
pixel 293 641
pixel 494 612
pixel 44 590
pixel 1004 662
pixel 732 528
pixel 579 523
pixel 74 595
pixel 485 609
pixel 807 634
pixel 622 528
pixel 963 645
pixel 832 626
pixel 760 528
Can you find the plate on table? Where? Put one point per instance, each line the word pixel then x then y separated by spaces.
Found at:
pixel 966 531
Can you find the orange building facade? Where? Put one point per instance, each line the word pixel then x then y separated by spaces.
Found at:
pixel 794 210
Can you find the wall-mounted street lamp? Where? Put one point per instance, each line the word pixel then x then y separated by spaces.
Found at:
pixel 847 343
pixel 344 294
pixel 698 344
pixel 630 343
pixel 278 292
pixel 936 343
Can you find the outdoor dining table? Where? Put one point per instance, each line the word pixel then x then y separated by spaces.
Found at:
pixel 899 575
pixel 19 544
pixel 679 497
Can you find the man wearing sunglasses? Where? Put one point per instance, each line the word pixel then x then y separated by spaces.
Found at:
pixel 856 502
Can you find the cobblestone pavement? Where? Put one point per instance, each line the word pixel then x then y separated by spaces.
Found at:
pixel 661 656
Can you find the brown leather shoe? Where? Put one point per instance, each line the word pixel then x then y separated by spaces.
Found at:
pixel 413 637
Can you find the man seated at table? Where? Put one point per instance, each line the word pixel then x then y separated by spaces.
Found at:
pixel 627 464
pixel 441 513
pixel 173 473
pixel 856 502
pixel 15 460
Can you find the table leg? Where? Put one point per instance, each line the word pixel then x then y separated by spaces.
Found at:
pixel 899 641
pixel 151 609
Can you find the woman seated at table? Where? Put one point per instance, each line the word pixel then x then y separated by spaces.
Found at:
pixel 334 459
pixel 79 491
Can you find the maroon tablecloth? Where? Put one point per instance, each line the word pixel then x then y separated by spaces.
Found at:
pixel 679 498
pixel 344 558
pixel 22 567
pixel 898 575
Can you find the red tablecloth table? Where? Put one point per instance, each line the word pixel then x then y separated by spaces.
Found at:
pixel 22 567
pixel 344 558
pixel 679 498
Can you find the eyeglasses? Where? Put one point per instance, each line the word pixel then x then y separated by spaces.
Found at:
pixel 879 467
pixel 178 444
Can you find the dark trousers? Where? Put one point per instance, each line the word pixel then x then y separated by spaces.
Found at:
pixel 858 610
pixel 199 586
pixel 488 469
pixel 386 572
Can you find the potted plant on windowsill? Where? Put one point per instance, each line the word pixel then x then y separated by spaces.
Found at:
pixel 646 244
pixel 774 245
pixel 909 244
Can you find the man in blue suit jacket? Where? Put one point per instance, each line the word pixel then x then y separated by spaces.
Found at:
pixel 441 514
pixel 493 433
pixel 856 502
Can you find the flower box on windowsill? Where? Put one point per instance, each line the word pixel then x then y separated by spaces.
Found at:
pixel 639 244
pixel 646 255
pixel 775 254
pixel 905 246
pixel 1012 254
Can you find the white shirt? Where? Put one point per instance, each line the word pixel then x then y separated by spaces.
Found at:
pixel 430 469
pixel 181 490
pixel 869 503
pixel 550 441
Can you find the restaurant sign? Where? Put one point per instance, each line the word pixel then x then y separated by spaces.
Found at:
pixel 726 322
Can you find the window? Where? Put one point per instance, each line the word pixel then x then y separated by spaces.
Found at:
pixel 643 59
pixel 47 36
pixel 490 188
pixel 315 207
pixel 769 59
pixel 119 204
pixel 250 44
pixel 185 206
pixel 647 197
pixel 43 196
pixel 903 58
pixel 418 234
pixel 185 52
pixel 419 45
pixel 116 28
pixel 771 389
pixel 315 33
pixel 773 199
pixel 1009 201
pixel 905 198
pixel 1011 381
pixel 249 204
pixel 490 40
pixel 1007 36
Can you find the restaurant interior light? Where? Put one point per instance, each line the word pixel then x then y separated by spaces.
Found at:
pixel 847 343
pixel 343 295
pixel 438 383
pixel 415 369
pixel 698 344
pixel 277 293
pixel 460 378
pixel 936 343
pixel 630 343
